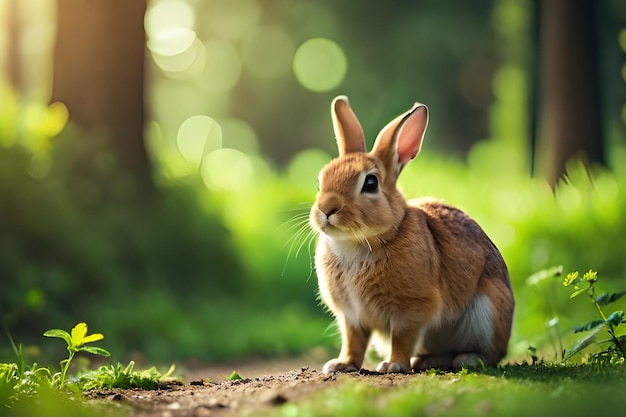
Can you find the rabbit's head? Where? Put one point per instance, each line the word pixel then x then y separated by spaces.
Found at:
pixel 358 198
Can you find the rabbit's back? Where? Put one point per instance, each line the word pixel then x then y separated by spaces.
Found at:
pixel 465 250
pixel 473 276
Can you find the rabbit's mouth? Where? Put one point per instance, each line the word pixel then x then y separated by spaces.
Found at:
pixel 341 232
pixel 329 224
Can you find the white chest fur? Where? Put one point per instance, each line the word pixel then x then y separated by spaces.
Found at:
pixel 341 281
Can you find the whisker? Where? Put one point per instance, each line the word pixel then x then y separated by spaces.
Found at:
pixel 309 234
pixel 311 251
pixel 360 236
pixel 365 240
pixel 302 235
pixel 300 206
pixel 301 229
pixel 295 222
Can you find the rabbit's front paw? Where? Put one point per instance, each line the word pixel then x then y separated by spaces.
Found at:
pixel 336 365
pixel 392 368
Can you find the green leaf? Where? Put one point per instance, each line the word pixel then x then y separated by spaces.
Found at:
pixel 615 318
pixel 61 334
pixel 581 344
pixel 234 376
pixel 588 326
pixel 606 299
pixel 544 274
pixel 94 350
pixel 577 292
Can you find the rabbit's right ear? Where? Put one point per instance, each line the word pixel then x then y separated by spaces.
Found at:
pixel 401 140
pixel 348 130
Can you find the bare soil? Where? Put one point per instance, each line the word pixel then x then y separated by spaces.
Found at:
pixel 264 385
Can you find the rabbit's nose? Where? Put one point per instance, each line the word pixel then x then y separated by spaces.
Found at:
pixel 330 212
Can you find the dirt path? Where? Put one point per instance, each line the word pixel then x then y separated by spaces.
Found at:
pixel 258 390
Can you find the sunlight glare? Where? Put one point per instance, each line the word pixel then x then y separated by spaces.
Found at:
pixel 197 136
pixel 305 167
pixel 168 14
pixel 227 170
pixel 568 197
pixel 238 134
pixel 172 40
pixel 187 59
pixel 222 69
pixel 621 39
pixel 320 65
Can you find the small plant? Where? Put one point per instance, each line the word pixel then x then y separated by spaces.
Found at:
pixel 586 285
pixel 550 294
pixel 532 351
pixel 125 377
pixel 234 376
pixel 76 342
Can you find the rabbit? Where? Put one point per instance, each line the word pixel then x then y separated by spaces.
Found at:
pixel 421 275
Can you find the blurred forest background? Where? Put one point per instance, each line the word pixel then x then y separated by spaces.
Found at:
pixel 158 158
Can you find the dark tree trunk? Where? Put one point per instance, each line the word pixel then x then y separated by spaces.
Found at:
pixel 14 54
pixel 569 110
pixel 99 73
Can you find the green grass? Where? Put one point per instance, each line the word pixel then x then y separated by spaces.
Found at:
pixel 516 390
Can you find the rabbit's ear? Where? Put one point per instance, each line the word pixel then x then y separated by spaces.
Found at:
pixel 401 140
pixel 348 130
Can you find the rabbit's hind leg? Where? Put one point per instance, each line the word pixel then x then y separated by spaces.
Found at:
pixel 424 362
pixel 448 362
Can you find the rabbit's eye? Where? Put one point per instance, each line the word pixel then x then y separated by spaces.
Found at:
pixel 371 184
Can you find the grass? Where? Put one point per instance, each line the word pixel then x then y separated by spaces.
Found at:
pixel 512 390
pixel 35 390
pixel 543 389
pixel 540 388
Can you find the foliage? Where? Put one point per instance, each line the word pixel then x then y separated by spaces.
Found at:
pixel 510 390
pixel 586 285
pixel 222 272
pixel 76 342
pixel 22 385
pixel 124 377
pixel 79 237
pixel 234 376
pixel 231 272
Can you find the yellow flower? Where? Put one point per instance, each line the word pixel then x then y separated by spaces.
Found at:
pixel 590 276
pixel 570 278
pixel 79 335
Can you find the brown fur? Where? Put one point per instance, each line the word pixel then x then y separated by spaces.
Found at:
pixel 421 276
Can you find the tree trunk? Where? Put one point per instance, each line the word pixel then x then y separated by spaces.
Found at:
pixel 569 113
pixel 14 51
pixel 99 73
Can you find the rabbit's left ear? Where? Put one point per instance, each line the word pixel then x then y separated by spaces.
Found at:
pixel 348 130
pixel 401 140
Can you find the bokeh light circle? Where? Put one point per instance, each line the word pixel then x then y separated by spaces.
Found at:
pixel 238 134
pixel 197 136
pixel 222 68
pixel 304 168
pixel 227 169
pixel 171 41
pixel 320 65
pixel 187 57
pixel 168 14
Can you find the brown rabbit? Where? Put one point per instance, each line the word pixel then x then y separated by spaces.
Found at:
pixel 422 276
